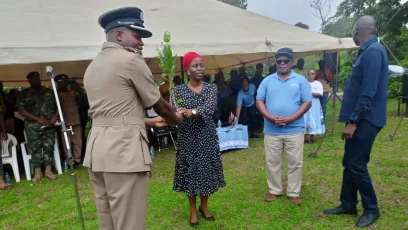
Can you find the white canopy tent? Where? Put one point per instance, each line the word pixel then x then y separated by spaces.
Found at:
pixel 37 33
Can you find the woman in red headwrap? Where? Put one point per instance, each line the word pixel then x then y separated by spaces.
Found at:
pixel 199 170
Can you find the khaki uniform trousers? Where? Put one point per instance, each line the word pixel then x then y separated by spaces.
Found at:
pixel 121 199
pixel 275 145
pixel 75 141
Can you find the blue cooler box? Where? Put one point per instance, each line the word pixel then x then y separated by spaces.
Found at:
pixel 233 137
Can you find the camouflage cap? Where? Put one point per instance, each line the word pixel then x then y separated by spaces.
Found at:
pixel 61 77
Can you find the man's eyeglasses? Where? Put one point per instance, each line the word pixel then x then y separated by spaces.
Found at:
pixel 279 62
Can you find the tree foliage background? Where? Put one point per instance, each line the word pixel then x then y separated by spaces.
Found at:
pixel 392 24
pixel 238 3
pixel 392 19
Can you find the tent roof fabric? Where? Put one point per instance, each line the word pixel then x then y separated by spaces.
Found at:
pixel 67 33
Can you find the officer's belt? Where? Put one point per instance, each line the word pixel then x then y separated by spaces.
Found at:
pixel 117 121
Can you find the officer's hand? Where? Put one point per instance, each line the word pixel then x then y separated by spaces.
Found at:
pixel 43 122
pixel 180 117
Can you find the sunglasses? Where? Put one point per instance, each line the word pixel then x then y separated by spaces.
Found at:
pixel 279 62
pixel 311 73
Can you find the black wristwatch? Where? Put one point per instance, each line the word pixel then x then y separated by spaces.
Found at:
pixel 352 122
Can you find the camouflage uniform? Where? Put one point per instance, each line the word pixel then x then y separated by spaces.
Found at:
pixel 40 142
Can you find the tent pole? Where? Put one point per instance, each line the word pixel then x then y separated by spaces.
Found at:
pixel 266 64
pixel 335 93
pixel 182 70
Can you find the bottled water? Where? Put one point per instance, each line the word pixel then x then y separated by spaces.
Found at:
pixel 65 166
pixel 7 178
pixel 152 151
pixel 322 118
pixel 219 123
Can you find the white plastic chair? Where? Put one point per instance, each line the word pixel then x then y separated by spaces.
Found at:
pixel 8 158
pixel 27 158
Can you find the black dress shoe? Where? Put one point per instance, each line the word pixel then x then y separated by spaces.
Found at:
pixel 340 210
pixel 194 225
pixel 367 220
pixel 211 218
pixel 77 165
pixel 254 135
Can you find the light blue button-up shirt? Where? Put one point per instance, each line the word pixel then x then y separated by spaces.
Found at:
pixel 284 98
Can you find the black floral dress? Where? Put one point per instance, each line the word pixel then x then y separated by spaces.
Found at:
pixel 199 170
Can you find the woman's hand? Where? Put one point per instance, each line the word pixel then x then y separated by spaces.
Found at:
pixel 185 112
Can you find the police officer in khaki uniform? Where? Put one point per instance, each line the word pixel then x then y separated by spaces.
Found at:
pixel 71 117
pixel 120 88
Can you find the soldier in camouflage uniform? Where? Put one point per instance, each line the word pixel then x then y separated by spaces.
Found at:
pixel 37 104
pixel 3 185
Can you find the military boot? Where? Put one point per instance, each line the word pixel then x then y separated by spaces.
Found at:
pixel 48 173
pixel 3 185
pixel 37 175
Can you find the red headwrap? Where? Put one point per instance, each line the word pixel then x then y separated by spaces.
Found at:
pixel 189 57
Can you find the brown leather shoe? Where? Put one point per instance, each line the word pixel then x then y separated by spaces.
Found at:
pixel 49 174
pixel 271 197
pixel 37 175
pixel 295 200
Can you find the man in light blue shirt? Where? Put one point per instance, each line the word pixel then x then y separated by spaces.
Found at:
pixel 282 99
pixel 246 109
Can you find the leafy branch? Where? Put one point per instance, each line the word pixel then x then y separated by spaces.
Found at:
pixel 167 61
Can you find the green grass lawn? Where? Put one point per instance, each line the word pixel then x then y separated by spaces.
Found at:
pixel 240 205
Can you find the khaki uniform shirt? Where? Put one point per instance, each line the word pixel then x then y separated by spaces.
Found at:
pixel 69 107
pixel 120 87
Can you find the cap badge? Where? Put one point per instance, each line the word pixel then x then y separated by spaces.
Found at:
pixel 126 23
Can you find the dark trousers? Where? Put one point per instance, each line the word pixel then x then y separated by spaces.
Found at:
pixel 323 102
pixel 248 117
pixel 355 174
pixel 84 138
